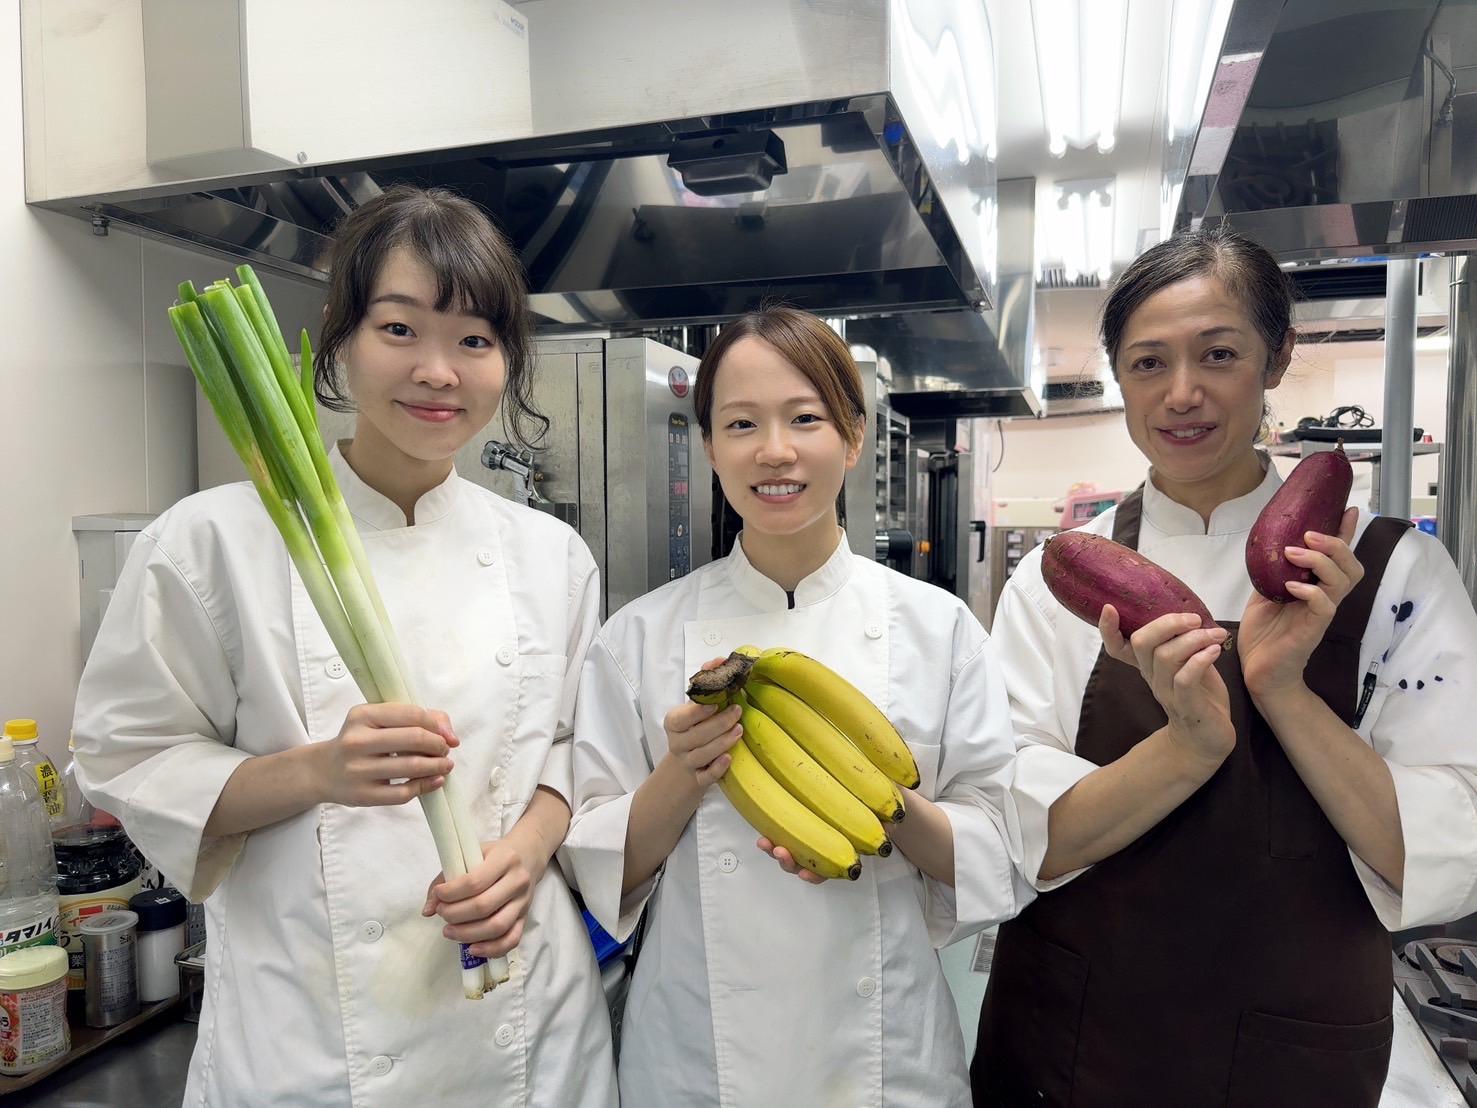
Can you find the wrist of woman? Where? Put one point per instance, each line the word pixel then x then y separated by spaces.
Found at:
pixel 531 847
pixel 1282 700
pixel 677 784
pixel 1194 761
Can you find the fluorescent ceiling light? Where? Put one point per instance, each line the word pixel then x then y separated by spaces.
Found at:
pixel 1428 343
pixel 1079 60
pixel 1078 228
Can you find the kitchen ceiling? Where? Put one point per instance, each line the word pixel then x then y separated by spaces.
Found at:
pixel 1066 330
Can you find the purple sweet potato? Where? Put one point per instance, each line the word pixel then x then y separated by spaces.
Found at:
pixel 1312 498
pixel 1086 571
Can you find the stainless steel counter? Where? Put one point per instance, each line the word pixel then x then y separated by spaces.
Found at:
pixel 143 1069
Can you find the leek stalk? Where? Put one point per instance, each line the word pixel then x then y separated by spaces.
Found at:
pixel 238 355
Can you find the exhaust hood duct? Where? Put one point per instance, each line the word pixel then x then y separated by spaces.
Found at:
pixel 963 364
pixel 1346 302
pixel 683 161
pixel 1341 130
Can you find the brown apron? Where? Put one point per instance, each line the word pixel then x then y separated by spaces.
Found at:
pixel 1229 956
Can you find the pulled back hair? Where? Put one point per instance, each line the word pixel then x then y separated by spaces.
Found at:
pixel 1248 271
pixel 807 344
pixel 476 271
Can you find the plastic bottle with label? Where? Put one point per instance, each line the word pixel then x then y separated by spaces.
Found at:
pixel 80 812
pixel 28 755
pixel 29 906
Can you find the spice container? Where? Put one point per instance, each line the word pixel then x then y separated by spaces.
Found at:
pixel 161 936
pixel 110 952
pixel 33 1008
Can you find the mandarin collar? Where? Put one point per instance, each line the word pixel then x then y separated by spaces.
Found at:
pixel 766 595
pixel 1173 518
pixel 378 511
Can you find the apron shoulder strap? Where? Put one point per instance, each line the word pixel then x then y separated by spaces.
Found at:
pixel 1373 551
pixel 1126 517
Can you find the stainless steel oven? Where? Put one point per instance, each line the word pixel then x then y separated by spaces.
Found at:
pixel 622 461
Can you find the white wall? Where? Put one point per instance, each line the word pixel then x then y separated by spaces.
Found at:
pixel 98 413
pixel 1045 458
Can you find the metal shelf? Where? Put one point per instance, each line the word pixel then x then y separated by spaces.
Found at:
pixel 1356 452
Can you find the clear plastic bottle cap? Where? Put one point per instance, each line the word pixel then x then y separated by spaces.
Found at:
pixel 109 923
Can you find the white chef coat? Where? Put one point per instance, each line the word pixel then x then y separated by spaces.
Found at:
pixel 324 985
pixel 1422 630
pixel 754 988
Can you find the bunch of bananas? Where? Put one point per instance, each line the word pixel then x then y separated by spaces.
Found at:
pixel 818 766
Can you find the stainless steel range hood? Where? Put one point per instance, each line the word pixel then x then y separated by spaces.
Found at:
pixel 683 162
pixel 1339 129
pixel 961 364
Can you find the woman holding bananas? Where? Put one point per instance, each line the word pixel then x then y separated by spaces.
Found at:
pixel 752 987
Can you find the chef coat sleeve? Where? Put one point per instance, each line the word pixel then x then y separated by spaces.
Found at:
pixel 1420 722
pixel 976 757
pixel 155 720
pixel 609 762
pixel 1025 639
pixel 584 609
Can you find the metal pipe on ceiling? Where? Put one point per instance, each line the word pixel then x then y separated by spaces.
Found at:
pixel 1399 419
pixel 1457 491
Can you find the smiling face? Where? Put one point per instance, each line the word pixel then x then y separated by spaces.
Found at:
pixel 779 455
pixel 424 382
pixel 1193 370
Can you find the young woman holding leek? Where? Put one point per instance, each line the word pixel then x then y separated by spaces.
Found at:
pixel 754 988
pixel 219 721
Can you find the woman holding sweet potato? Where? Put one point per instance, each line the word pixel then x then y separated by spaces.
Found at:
pixel 1222 834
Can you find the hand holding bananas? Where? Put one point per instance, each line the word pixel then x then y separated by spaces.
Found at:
pixel 818 767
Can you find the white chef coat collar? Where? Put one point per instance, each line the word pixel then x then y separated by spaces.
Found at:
pixel 1173 518
pixel 377 510
pixel 768 596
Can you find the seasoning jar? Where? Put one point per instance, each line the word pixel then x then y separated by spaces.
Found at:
pixel 161 936
pixel 110 953
pixel 97 870
pixel 33 1008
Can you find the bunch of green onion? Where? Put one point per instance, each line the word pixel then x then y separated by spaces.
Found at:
pixel 238 354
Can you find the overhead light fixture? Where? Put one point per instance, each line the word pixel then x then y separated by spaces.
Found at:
pixel 1079 60
pixel 1078 228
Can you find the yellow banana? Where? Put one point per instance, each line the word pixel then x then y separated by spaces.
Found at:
pixel 783 820
pixel 808 782
pixel 839 757
pixel 846 706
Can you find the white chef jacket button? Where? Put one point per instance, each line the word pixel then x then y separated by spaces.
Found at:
pixel 380 1064
pixel 484 556
pixel 505 655
pixel 336 668
pixel 728 861
pixel 866 987
pixel 370 931
pixel 503 1035
pixel 874 630
pixel 713 638
pixel 496 777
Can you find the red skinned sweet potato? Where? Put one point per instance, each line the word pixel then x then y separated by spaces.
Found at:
pixel 1085 571
pixel 1312 498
